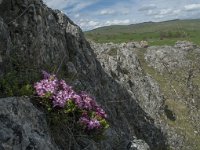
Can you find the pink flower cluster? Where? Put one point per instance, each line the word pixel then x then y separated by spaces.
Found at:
pixel 59 92
pixel 46 86
pixel 90 124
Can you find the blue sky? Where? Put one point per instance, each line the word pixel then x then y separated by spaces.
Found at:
pixel 90 14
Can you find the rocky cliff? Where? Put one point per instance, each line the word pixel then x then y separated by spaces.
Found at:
pixel 34 37
pixel 164 80
pixel 23 126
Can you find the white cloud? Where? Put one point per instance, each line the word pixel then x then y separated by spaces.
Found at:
pixel 192 7
pixel 115 10
pixel 165 11
pixel 177 12
pixel 152 13
pixel 125 11
pixel 82 5
pixel 71 5
pixel 107 12
pixel 61 4
pixel 147 8
pixel 158 14
pixel 93 23
pixel 117 22
pixel 87 24
pixel 76 15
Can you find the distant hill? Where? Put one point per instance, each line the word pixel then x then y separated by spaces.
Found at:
pixel 156 33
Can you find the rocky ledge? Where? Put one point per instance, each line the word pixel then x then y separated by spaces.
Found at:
pixel 23 126
pixel 163 80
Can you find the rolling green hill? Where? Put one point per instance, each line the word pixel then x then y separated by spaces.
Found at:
pixel 156 33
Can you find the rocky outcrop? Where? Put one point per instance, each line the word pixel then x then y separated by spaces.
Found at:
pixel 169 57
pixel 122 64
pixel 22 126
pixel 39 38
pixel 155 78
pixel 179 66
pixel 180 60
pixel 185 45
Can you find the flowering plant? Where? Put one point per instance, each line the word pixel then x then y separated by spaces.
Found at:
pixel 59 96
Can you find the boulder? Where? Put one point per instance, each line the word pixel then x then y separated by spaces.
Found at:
pixel 23 126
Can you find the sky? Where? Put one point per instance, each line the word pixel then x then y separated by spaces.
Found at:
pixel 90 14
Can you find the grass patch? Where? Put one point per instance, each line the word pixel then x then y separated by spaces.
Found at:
pixel 151 71
pixel 183 125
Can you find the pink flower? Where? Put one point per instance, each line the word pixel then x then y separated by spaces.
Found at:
pixel 59 92
pixel 100 112
pixel 60 98
pixel 46 86
pixel 93 124
pixel 87 101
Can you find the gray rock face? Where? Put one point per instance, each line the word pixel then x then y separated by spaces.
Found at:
pixel 185 45
pixel 170 57
pixel 166 57
pixel 179 66
pixel 5 44
pixel 121 63
pixel 139 145
pixel 22 126
pixel 43 39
